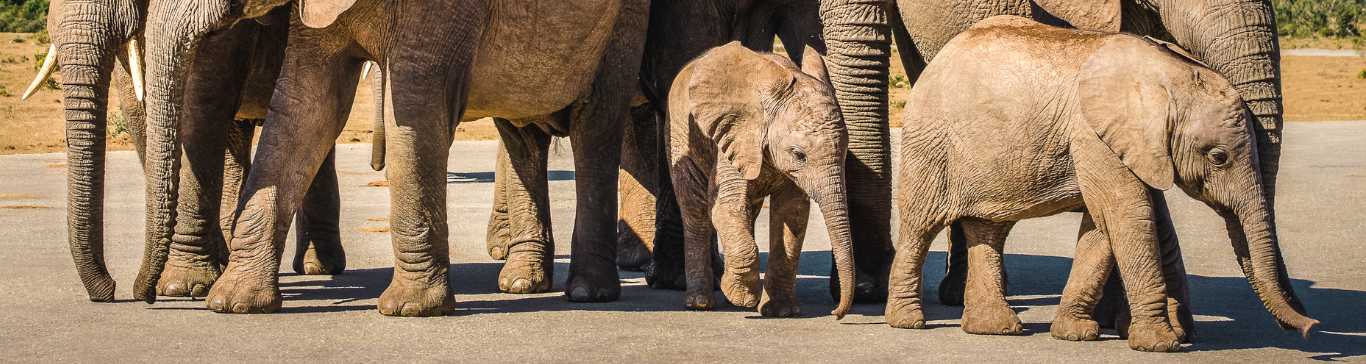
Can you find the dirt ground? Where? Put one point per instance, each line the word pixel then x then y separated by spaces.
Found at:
pixel 1316 89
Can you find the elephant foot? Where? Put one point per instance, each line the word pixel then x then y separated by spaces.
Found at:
pixel 991 320
pixel 526 271
pixel 1173 307
pixel 187 280
pixel 319 257
pixel 1153 336
pixel 951 288
pixel 499 235
pixel 781 307
pixel 1075 329
pixel 741 289
pixel 632 254
pixel 665 273
pixel 868 288
pixel 592 281
pixel 699 301
pixel 904 316
pixel 411 298
pixel 240 291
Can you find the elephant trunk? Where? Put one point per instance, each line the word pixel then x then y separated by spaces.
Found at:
pixel 174 31
pixel 86 52
pixel 377 138
pixel 830 196
pixel 1253 234
pixel 858 40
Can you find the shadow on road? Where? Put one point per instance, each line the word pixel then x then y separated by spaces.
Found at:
pixel 1229 314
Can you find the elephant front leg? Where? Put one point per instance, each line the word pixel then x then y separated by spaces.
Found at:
pixel 788 214
pixel 906 283
pixel 1090 270
pixel 697 244
pixel 985 311
pixel 318 249
pixel 530 245
pixel 733 215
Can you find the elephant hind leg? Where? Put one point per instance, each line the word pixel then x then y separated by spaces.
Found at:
pixel 319 250
pixel 529 246
pixel 636 225
pixel 985 310
pixel 499 231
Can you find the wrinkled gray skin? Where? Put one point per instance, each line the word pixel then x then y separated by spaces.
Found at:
pixel 1235 37
pixel 1118 119
pixel 744 126
pixel 590 57
pixel 91 38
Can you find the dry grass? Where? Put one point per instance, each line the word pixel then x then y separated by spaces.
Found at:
pixel 1324 88
pixel 382 229
pixel 377 184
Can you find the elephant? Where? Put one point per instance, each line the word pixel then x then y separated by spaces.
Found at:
pixel 1236 38
pixel 1016 120
pixel 744 126
pixel 87 35
pixel 446 61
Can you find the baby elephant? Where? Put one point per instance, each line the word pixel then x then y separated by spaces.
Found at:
pixel 742 126
pixel 1015 120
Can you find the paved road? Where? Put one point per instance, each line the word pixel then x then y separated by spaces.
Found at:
pixel 44 315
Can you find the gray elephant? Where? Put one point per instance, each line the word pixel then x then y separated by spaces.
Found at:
pixel 1236 38
pixel 226 95
pixel 1017 120
pixel 434 80
pixel 744 126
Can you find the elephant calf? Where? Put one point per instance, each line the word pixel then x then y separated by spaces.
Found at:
pixel 1015 120
pixel 743 126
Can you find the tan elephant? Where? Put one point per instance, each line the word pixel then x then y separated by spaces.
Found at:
pixel 1016 120
pixel 744 126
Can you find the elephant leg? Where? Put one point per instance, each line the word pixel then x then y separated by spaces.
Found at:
pixel 1123 207
pixel 236 168
pixel 906 282
pixel 985 311
pixel 530 245
pixel 296 139
pixel 955 266
pixel 499 232
pixel 789 210
pixel 595 133
pixel 733 214
pixel 318 249
pixel 1090 270
pixel 198 243
pixel 698 232
pixel 1173 269
pixel 636 225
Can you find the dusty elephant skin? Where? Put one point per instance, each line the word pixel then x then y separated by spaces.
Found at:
pixel 427 53
pixel 94 40
pixel 1108 118
pixel 1234 37
pixel 744 126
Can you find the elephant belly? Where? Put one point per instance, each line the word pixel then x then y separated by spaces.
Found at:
pixel 537 57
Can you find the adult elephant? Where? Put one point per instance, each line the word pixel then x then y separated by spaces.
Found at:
pixel 96 40
pixel 443 61
pixel 1235 37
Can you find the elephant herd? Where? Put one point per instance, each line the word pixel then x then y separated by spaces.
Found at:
pixel 607 75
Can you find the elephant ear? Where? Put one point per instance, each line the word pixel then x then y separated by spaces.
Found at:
pixel 321 13
pixel 814 65
pixel 1124 98
pixel 1084 14
pixel 729 88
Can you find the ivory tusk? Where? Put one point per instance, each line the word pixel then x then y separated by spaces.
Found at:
pixel 135 67
pixel 365 71
pixel 49 63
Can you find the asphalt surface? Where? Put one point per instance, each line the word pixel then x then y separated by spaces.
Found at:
pixel 45 316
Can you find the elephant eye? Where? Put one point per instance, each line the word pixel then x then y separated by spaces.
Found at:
pixel 1218 156
pixel 798 154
